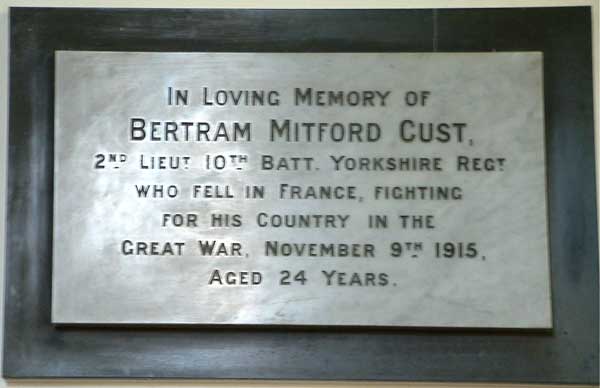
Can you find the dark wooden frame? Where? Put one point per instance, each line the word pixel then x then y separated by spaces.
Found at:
pixel 33 348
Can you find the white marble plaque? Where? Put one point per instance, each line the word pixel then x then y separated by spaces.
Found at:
pixel 355 189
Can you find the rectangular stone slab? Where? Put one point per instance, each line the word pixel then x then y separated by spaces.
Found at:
pixel 350 189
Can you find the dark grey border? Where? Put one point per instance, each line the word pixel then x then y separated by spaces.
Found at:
pixel 33 348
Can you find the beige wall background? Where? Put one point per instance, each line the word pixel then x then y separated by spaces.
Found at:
pixel 4 4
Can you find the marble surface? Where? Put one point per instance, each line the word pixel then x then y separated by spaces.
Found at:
pixel 497 274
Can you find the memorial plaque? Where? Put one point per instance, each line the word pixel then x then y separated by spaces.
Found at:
pixel 379 189
pixel 393 195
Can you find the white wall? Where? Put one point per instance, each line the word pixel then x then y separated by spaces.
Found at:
pixel 4 4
